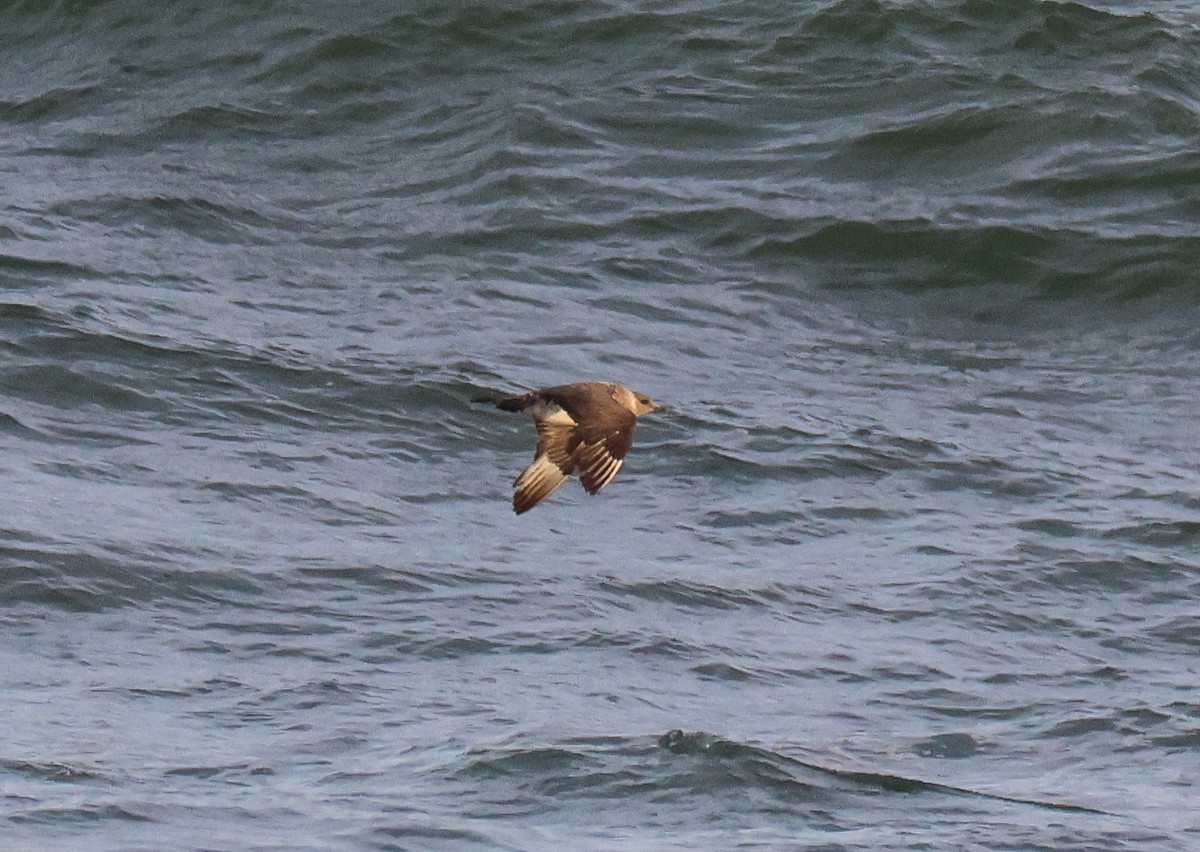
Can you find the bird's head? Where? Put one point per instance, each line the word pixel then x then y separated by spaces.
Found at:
pixel 645 404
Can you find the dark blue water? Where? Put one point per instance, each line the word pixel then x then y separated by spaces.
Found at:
pixel 911 562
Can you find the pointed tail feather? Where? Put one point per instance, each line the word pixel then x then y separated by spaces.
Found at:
pixel 512 403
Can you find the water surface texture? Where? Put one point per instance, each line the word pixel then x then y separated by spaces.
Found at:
pixel 911 562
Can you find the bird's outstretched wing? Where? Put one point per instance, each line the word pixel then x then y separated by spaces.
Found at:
pixel 598 461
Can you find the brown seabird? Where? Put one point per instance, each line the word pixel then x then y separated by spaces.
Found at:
pixel 584 428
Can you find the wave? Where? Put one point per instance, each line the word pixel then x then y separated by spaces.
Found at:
pixel 678 767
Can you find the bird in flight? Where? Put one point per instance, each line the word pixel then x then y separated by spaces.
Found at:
pixel 584 428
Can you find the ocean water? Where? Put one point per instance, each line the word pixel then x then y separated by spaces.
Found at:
pixel 911 562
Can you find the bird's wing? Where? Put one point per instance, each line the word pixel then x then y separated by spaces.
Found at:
pixel 536 483
pixel 598 461
pixel 552 464
pixel 585 401
pixel 557 441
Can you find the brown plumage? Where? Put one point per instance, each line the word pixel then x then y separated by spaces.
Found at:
pixel 585 428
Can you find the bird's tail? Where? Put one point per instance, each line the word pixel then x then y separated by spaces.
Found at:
pixel 514 403
pixel 519 402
